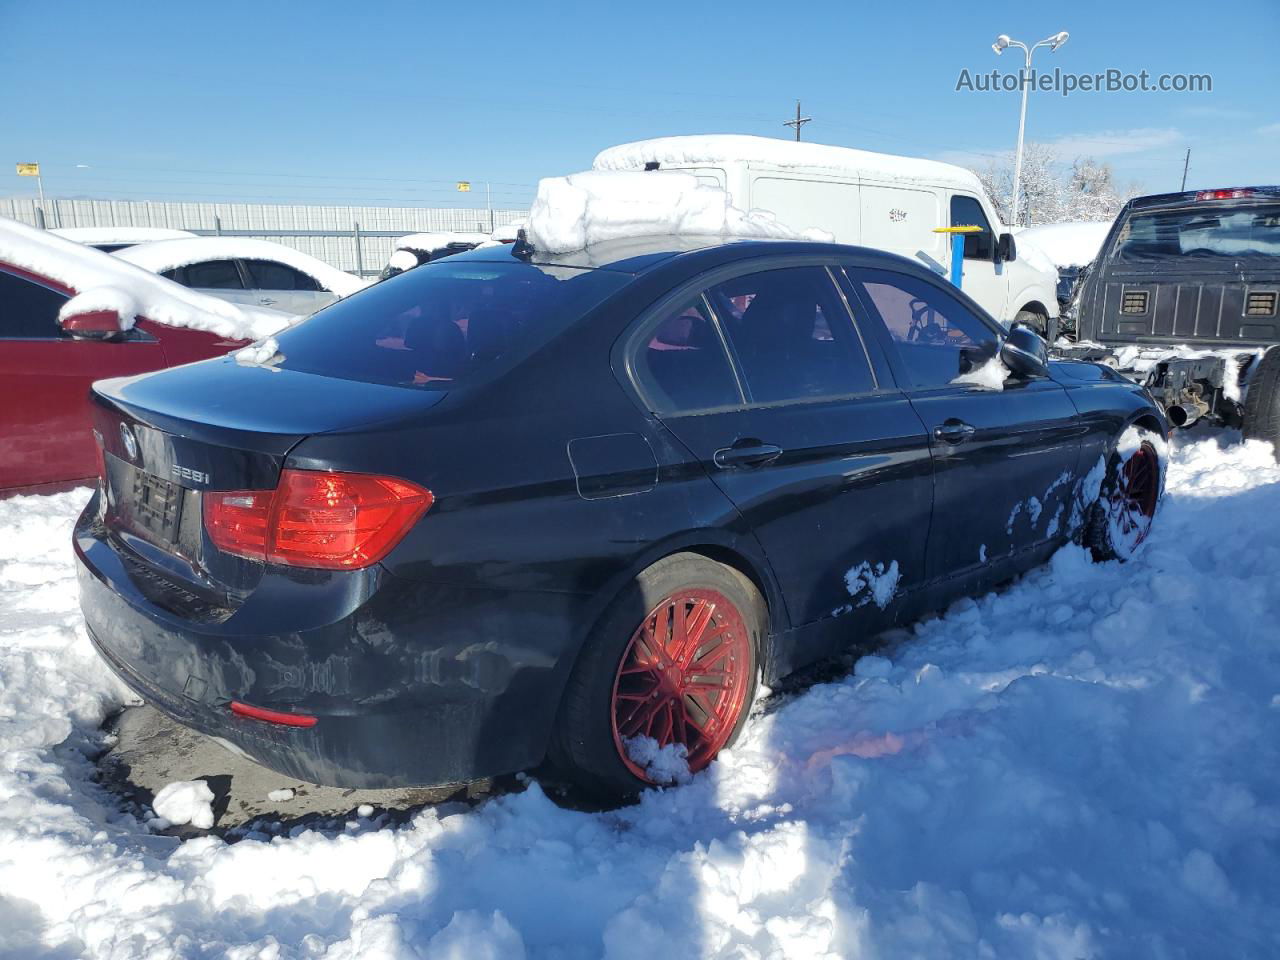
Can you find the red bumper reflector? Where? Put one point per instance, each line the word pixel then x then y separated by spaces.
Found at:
pixel 271 716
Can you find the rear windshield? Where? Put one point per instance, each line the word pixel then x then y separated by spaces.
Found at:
pixel 1219 231
pixel 444 323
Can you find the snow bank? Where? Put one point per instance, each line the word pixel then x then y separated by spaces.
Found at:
pixel 167 254
pixel 573 212
pixel 1074 244
pixel 1085 765
pixel 185 801
pixel 102 281
pixel 718 149
pixel 669 764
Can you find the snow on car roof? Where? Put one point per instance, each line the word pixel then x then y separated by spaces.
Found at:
pixel 1073 244
pixel 428 242
pixel 100 281
pixel 708 149
pixel 574 212
pixel 96 235
pixel 167 254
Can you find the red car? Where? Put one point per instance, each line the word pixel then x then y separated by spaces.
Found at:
pixel 47 363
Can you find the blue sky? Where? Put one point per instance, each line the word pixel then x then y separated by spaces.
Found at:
pixel 394 102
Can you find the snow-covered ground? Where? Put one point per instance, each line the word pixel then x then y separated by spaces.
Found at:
pixel 1087 764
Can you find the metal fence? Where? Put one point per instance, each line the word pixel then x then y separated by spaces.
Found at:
pixel 355 239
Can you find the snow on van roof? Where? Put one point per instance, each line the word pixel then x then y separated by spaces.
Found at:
pixel 167 254
pixel 96 235
pixel 1072 244
pixel 100 281
pixel 709 149
pixel 571 213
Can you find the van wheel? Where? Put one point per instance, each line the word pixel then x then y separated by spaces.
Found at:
pixel 1035 320
pixel 1262 403
pixel 672 663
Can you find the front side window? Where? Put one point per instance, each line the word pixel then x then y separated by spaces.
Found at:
pixel 935 335
pixel 28 311
pixel 968 212
pixel 269 275
pixel 681 364
pixel 791 335
pixel 444 323
pixel 212 275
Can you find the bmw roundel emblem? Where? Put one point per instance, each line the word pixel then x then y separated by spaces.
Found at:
pixel 130 443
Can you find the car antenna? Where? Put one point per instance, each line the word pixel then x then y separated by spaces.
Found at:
pixel 522 248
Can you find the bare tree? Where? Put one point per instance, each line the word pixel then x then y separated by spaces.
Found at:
pixel 1052 193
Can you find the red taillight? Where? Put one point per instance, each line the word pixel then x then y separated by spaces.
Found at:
pixel 272 716
pixel 335 521
pixel 1233 194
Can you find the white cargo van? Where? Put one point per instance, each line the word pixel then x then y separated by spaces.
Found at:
pixel 870 199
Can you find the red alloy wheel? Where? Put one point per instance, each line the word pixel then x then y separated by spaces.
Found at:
pixel 684 677
pixel 1138 492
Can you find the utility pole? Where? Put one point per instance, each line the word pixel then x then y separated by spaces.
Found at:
pixel 798 122
pixel 1185 164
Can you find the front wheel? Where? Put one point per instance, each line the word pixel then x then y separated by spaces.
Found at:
pixel 666 679
pixel 1120 520
pixel 1036 321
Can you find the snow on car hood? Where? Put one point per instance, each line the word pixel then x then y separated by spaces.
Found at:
pixel 1073 244
pixel 100 281
pixel 167 254
pixel 573 212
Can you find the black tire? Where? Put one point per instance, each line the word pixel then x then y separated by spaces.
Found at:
pixel 1262 403
pixel 1035 320
pixel 1120 520
pixel 584 747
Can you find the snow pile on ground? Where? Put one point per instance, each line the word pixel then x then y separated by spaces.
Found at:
pixel 1086 765
pixel 165 255
pixel 573 212
pixel 1074 244
pixel 186 801
pixel 669 764
pixel 715 150
pixel 100 281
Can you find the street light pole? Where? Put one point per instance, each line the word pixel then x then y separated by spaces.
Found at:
pixel 1002 43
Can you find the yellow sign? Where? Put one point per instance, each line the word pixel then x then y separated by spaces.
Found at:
pixel 958 230
pixel 464 186
pixel 28 169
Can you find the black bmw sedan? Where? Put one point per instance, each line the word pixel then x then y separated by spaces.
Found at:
pixel 509 507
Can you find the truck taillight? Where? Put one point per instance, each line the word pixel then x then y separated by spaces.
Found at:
pixel 334 521
pixel 1234 193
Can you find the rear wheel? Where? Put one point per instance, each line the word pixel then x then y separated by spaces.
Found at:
pixel 1262 404
pixel 1121 519
pixel 665 680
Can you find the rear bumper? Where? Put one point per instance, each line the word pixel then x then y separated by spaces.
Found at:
pixel 412 684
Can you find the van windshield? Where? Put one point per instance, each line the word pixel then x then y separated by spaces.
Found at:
pixel 443 323
pixel 1251 230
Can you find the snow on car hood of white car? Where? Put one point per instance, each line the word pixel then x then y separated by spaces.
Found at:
pixel 1072 244
pixel 573 212
pixel 165 255
pixel 100 281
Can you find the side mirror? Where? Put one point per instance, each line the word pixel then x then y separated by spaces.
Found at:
pixel 1024 353
pixel 1006 249
pixel 93 325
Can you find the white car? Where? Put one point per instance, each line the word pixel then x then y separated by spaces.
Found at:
pixel 419 248
pixel 247 271
pixel 111 239
pixel 868 199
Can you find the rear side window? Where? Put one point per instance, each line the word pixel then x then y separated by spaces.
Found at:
pixel 269 275
pixel 212 275
pixel 445 322
pixel 935 335
pixel 681 363
pixel 28 311
pixel 1209 232
pixel 967 212
pixel 791 335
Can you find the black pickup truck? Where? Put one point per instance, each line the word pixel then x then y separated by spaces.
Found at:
pixel 1183 298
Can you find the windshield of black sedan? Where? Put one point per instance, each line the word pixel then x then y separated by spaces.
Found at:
pixel 444 323
pixel 1251 230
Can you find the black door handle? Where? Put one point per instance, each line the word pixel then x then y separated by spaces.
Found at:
pixel 954 431
pixel 746 453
